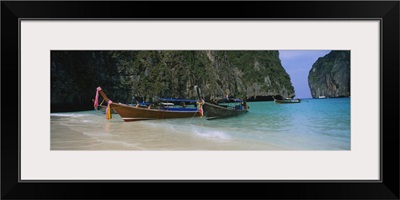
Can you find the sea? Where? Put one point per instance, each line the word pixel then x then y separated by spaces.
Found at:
pixel 313 124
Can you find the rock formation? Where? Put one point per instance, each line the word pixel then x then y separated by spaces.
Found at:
pixel 75 75
pixel 330 75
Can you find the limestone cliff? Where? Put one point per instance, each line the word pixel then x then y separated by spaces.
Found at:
pixel 75 75
pixel 330 75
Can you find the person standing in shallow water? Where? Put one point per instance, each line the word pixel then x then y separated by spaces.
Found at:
pixel 245 105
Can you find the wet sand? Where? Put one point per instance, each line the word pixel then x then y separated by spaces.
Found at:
pixel 93 132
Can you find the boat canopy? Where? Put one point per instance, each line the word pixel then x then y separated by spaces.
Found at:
pixel 229 100
pixel 177 100
pixel 141 104
pixel 167 104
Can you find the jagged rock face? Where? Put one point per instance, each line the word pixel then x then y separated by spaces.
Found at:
pixel 75 75
pixel 330 75
pixel 249 74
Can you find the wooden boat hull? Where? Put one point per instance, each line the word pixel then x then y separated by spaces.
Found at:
pixel 131 113
pixel 212 111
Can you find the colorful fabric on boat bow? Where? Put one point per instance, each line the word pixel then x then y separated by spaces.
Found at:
pixel 96 99
pixel 200 107
pixel 108 110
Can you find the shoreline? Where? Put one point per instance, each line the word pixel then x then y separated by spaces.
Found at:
pixel 68 133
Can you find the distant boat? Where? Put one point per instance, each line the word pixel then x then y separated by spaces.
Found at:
pixel 223 108
pixel 165 110
pixel 287 100
pixel 321 97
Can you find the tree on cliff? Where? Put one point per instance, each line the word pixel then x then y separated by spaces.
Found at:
pixel 146 74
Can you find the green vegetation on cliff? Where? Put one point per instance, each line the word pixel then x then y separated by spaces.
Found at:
pixel 330 75
pixel 75 75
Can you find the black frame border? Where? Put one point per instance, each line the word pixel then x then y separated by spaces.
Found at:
pixel 387 11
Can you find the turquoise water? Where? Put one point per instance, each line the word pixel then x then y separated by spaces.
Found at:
pixel 313 124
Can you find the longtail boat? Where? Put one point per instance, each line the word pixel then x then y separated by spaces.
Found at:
pixel 165 110
pixel 103 109
pixel 287 100
pixel 222 108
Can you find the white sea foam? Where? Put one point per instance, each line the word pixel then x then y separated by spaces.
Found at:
pixel 97 134
pixel 302 127
pixel 66 115
pixel 211 134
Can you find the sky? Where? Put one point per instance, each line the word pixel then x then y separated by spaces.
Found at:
pixel 297 64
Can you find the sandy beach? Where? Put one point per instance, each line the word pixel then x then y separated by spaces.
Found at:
pixel 91 131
